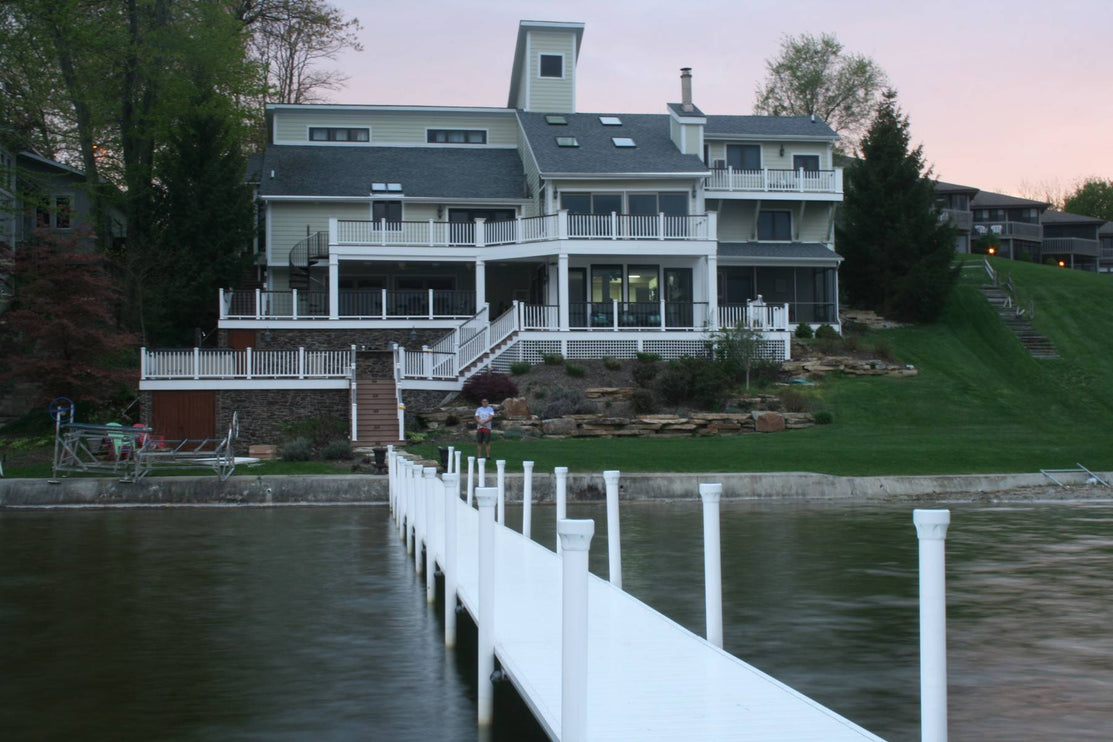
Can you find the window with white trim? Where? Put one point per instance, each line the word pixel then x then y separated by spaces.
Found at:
pixel 774 226
pixel 339 134
pixel 551 65
pixel 456 136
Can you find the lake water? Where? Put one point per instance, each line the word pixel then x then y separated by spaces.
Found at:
pixel 309 623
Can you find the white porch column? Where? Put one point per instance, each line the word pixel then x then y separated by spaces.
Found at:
pixel 333 287
pixel 713 290
pixel 480 284
pixel 562 291
pixel 575 537
pixel 931 530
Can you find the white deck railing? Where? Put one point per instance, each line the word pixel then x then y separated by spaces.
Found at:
pixel 560 226
pixel 1070 246
pixel 755 315
pixel 1019 230
pixel 775 181
pixel 203 363
pixel 352 304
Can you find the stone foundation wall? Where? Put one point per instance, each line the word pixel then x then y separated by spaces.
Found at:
pixel 262 413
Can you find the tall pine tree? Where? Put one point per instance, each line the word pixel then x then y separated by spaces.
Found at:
pixel 897 254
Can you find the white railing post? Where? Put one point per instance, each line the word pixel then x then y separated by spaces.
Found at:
pixel 562 224
pixel 614 226
pixel 221 309
pixel 249 359
pixel 431 484
pixel 561 473
pixel 712 563
pixel 448 464
pixel 730 178
pixel 575 539
pixel 432 241
pixel 451 501
pixel 662 314
pixel 430 303
pixel 411 509
pixel 482 472
pixel 800 180
pixel 614 537
pixel 471 479
pixel 382 306
pixel 427 362
pixel 527 497
pixel 481 232
pixel 294 303
pixel 931 530
pixel 500 485
pixel 301 362
pixel 196 362
pixel 485 656
pixel 660 225
pixel 258 304
pixel 143 363
pixel 614 314
pixel 456 464
pixel 419 517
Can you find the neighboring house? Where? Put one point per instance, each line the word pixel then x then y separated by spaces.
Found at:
pixel 1105 247
pixel 406 247
pixel 1071 240
pixel 1016 221
pixel 953 201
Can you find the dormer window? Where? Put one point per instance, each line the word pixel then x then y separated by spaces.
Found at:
pixel 551 65
pixel 610 121
pixel 623 142
pixel 567 142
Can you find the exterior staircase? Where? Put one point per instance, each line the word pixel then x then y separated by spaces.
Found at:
pixel 1016 320
pixel 377 412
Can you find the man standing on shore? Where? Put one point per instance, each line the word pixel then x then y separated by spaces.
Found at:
pixel 484 415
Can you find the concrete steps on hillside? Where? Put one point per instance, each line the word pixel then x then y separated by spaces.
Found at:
pixel 1036 344
pixel 376 412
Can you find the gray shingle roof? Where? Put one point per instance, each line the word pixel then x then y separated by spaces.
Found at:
pixel 811 252
pixel 1053 216
pixel 449 172
pixel 781 127
pixel 596 153
pixel 989 199
pixel 943 187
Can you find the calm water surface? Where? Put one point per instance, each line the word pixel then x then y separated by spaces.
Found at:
pixel 308 623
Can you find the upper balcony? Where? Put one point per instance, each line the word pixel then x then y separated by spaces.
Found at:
pixel 785 185
pixel 960 219
pixel 1070 246
pixel 1012 230
pixel 524 230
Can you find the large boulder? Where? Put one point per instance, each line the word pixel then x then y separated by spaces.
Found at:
pixel 768 422
pixel 515 407
pixel 558 426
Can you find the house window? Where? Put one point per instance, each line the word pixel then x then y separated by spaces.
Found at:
pixel 53 212
pixel 389 210
pixel 810 163
pixel 774 226
pixel 338 134
pixel 456 136
pixel 62 212
pixel 552 65
pixel 744 156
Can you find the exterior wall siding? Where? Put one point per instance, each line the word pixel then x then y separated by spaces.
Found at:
pixel 403 128
pixel 550 94
pixel 289 220
pixel 771 157
pixel 736 220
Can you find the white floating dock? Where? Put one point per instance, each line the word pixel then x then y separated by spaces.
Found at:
pixel 648 677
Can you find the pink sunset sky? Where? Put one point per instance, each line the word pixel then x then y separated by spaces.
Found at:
pixel 1005 95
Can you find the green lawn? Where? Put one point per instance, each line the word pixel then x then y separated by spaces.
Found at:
pixel 979 404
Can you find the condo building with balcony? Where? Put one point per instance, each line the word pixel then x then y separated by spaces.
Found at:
pixel 404 248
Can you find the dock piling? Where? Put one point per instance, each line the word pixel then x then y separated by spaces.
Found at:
pixel 931 530
pixel 527 498
pixel 712 563
pixel 431 485
pixel 561 473
pixel 485 659
pixel 575 537
pixel 614 537
pixel 451 500
pixel 500 484
pixel 482 473
pixel 471 479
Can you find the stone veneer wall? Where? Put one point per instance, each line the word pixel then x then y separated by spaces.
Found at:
pixel 324 339
pixel 262 413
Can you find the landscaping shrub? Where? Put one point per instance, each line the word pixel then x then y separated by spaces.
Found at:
pixel 648 357
pixel 644 374
pixel 804 331
pixel 573 370
pixel 512 434
pixel 491 386
pixel 698 380
pixel 567 402
pixel 297 449
pixel 793 400
pixel 336 451
pixel 612 364
pixel 317 431
pixel 519 367
pixel 552 359
pixel 644 402
pixel 883 349
pixel 826 332
pixel 824 418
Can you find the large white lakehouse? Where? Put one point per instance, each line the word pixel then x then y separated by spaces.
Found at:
pixel 403 248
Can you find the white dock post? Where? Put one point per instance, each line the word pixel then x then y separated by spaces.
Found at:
pixel 931 529
pixel 482 473
pixel 527 497
pixel 419 519
pixel 614 537
pixel 485 659
pixel 575 535
pixel 409 500
pixel 561 500
pixel 500 484
pixel 430 521
pixel 712 563
pixel 390 480
pixel 451 500
pixel 456 464
pixel 448 465
pixel 471 479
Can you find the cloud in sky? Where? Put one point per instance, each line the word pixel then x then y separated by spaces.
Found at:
pixel 1004 95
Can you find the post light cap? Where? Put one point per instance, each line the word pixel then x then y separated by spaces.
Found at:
pixel 561 470
pixel 486 496
pixel 931 524
pixel 500 464
pixel 710 492
pixel 575 535
pixel 611 475
pixel 527 465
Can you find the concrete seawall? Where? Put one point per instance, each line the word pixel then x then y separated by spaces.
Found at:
pixel 355 489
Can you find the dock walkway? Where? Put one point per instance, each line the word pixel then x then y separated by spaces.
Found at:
pixel 648 677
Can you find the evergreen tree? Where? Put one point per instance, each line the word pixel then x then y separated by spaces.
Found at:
pixel 897 254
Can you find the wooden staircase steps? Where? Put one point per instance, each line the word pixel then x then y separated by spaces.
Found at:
pixel 376 412
pixel 1036 344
